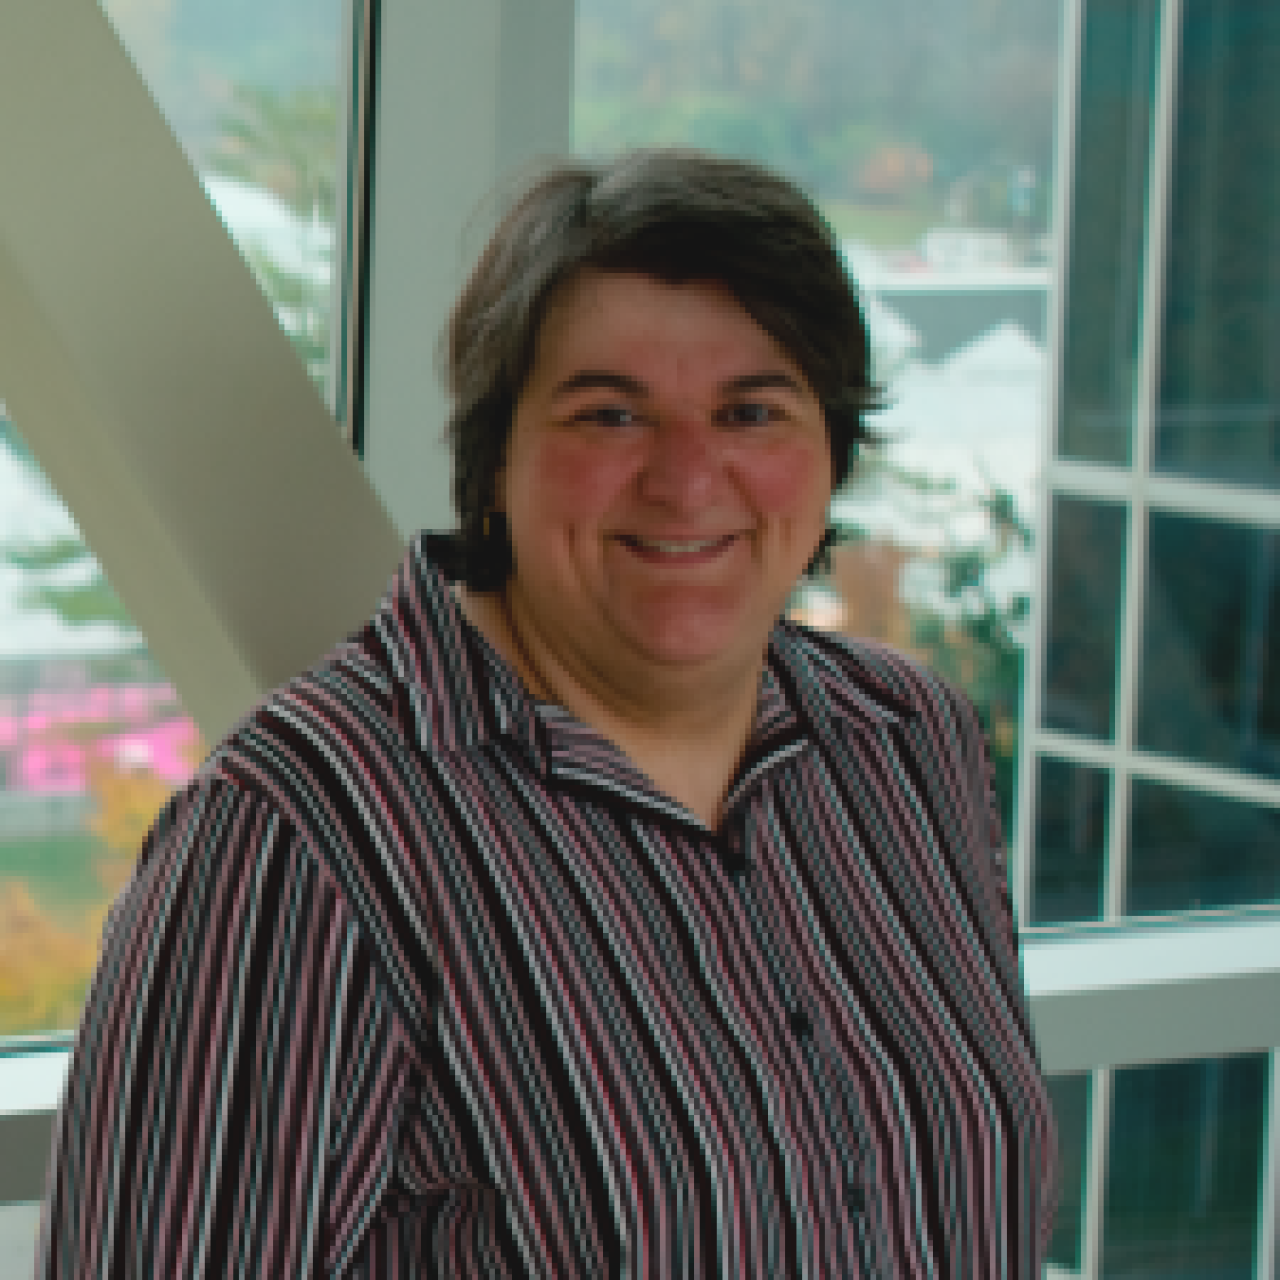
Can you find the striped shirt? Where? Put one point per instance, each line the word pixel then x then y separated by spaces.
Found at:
pixel 420 977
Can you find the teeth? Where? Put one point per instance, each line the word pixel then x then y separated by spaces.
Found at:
pixel 677 548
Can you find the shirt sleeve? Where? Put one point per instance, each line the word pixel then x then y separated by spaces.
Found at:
pixel 228 1108
pixel 1044 1188
pixel 990 848
pixel 996 842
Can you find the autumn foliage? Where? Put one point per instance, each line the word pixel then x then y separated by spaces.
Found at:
pixel 45 965
pixel 47 956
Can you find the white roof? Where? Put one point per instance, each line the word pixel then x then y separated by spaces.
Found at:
pixel 972 424
pixel 891 335
pixel 1005 351
pixel 30 512
pixel 261 223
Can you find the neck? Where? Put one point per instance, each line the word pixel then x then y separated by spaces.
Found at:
pixel 685 731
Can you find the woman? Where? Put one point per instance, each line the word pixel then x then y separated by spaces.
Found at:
pixel 579 917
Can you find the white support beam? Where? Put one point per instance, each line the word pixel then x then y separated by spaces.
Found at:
pixel 468 97
pixel 146 371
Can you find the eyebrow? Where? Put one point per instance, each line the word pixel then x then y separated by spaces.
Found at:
pixel 764 381
pixel 597 380
pixel 600 379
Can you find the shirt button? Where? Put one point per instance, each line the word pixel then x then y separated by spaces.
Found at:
pixel 800 1023
pixel 733 858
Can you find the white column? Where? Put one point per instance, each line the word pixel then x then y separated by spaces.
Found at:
pixel 469 95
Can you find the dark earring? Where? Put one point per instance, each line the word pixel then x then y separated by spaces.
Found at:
pixel 821 561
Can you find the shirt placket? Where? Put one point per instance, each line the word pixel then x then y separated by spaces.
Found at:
pixel 739 849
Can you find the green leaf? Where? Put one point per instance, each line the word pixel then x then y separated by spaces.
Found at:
pixel 43 557
pixel 78 605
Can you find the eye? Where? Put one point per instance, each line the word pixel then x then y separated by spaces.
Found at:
pixel 750 413
pixel 609 415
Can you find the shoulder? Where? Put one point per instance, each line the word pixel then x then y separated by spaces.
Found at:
pixel 359 708
pixel 935 737
pixel 853 671
pixel 322 769
pixel 938 753
pixel 250 793
pixel 304 740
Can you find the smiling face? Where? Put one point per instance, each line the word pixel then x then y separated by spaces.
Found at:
pixel 666 482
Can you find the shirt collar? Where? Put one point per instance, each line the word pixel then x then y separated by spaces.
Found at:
pixel 455 693
pixel 452 692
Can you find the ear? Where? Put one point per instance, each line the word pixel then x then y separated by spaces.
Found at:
pixel 498 485
pixel 498 493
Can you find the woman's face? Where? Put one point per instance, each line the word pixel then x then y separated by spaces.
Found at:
pixel 666 479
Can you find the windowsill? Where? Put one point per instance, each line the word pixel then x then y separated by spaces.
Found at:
pixel 33 1070
pixel 1157 990
pixel 19 1224
pixel 33 1073
pixel 1154 949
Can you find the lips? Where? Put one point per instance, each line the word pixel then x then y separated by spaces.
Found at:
pixel 676 548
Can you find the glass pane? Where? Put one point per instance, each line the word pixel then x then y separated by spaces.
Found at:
pixel 1116 93
pixel 1086 573
pixel 1219 392
pixel 925 133
pixel 1185 1170
pixel 1069 858
pixel 1070 1096
pixel 1210 678
pixel 1189 850
pixel 250 88
pixel 92 740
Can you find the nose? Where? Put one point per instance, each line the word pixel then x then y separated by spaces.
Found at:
pixel 684 463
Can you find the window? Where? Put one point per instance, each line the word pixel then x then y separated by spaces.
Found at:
pixel 1154 736
pixel 1158 715
pixel 1183 1169
pixel 251 90
pixel 92 738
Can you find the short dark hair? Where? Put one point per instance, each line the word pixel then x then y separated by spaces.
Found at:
pixel 674 215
